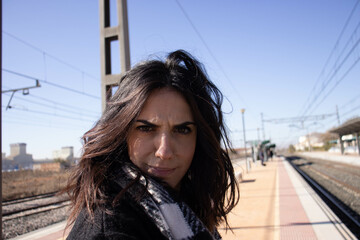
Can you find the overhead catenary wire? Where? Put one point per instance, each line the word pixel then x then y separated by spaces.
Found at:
pixel 327 121
pixel 22 117
pixel 334 73
pixel 50 55
pixel 336 63
pixel 336 68
pixel 66 106
pixel 50 114
pixel 315 103
pixel 331 54
pixel 351 101
pixel 24 122
pixel 209 50
pixel 351 110
pixel 52 84
pixel 337 83
pixel 308 105
pixel 81 114
pixel 246 130
pixel 95 113
pixel 333 121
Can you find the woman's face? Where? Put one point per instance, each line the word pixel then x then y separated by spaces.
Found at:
pixel 162 140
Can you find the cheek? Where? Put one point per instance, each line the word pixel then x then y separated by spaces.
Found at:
pixel 138 148
pixel 187 149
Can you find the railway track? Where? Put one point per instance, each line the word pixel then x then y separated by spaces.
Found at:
pixel 33 205
pixel 337 184
pixel 28 214
pixel 26 199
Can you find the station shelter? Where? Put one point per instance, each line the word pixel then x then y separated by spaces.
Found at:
pixel 351 126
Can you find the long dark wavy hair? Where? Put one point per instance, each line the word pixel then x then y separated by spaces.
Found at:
pixel 209 187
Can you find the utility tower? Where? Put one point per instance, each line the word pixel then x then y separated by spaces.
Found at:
pixel 108 35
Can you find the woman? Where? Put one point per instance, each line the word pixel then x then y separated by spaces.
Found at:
pixel 152 166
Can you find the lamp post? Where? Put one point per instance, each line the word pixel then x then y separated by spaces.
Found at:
pixel 246 159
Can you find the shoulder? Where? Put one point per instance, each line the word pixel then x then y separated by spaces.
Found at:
pixel 125 221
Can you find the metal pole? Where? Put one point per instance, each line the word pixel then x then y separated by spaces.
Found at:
pixel 246 159
pixel 337 114
pixel 262 124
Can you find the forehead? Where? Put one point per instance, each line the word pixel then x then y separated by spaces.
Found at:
pixel 166 103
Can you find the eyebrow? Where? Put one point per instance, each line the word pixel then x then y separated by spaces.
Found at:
pixel 154 125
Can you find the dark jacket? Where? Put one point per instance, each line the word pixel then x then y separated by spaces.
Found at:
pixel 128 221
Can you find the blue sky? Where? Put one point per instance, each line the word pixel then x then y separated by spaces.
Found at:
pixel 278 58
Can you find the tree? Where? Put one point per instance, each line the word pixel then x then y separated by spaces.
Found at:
pixel 328 136
pixel 62 162
pixel 291 148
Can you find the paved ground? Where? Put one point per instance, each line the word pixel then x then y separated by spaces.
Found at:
pixel 254 217
pixel 275 203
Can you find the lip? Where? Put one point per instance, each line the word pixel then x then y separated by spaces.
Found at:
pixel 160 171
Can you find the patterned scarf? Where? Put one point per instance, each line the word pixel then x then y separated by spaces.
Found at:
pixel 174 219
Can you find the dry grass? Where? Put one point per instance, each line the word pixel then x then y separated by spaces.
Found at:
pixel 27 183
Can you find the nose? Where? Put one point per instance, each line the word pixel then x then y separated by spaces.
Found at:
pixel 163 147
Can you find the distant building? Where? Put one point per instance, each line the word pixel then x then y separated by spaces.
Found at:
pixel 312 140
pixel 65 153
pixel 18 158
pixel 7 164
pixel 47 166
pixel 350 144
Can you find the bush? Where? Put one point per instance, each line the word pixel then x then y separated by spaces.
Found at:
pixel 26 183
pixel 291 148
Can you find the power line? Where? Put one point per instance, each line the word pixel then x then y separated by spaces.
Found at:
pixel 246 130
pixel 337 83
pixel 50 114
pixel 52 84
pixel 35 124
pixel 39 118
pixel 299 119
pixel 351 110
pixel 336 70
pixel 342 115
pixel 208 49
pixel 26 123
pixel 332 51
pixel 354 34
pixel 65 105
pixel 56 108
pixel 351 101
pixel 50 55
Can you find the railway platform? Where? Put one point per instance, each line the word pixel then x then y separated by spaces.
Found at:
pixel 275 203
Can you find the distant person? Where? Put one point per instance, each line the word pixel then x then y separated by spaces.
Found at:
pixel 153 166
pixel 262 157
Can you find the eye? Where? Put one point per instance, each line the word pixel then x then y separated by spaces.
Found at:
pixel 183 129
pixel 144 128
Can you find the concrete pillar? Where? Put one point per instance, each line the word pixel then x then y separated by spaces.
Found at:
pixel 341 144
pixel 109 34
